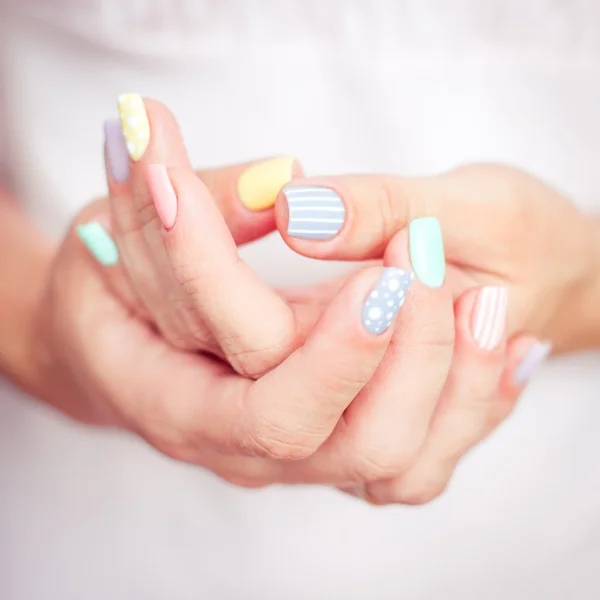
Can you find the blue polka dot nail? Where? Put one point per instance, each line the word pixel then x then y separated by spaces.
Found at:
pixel 384 302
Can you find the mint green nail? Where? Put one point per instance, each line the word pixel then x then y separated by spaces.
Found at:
pixel 99 243
pixel 427 251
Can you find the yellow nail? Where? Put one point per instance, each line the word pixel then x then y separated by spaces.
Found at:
pixel 260 183
pixel 135 124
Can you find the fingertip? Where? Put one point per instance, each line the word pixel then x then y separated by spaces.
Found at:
pixel 134 123
pixel 527 355
pixel 163 194
pixel 260 183
pixel 100 244
pixel 427 251
pixel 480 315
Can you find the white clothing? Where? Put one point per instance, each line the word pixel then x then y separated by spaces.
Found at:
pixel 400 86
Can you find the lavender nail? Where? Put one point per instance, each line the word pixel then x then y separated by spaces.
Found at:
pixel 536 356
pixel 384 302
pixel 116 151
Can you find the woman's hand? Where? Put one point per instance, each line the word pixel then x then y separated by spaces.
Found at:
pixel 328 413
pixel 366 403
pixel 501 227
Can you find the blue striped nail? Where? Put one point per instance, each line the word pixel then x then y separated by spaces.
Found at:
pixel 384 302
pixel 315 213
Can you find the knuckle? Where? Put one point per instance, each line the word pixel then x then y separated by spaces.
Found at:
pixel 373 464
pixel 245 481
pixel 420 493
pixel 269 440
pixel 254 362
pixel 192 280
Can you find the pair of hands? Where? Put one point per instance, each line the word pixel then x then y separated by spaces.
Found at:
pixel 179 342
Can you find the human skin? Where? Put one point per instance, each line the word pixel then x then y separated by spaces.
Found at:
pixel 341 440
pixel 501 226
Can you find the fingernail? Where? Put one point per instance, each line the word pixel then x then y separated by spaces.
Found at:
pixel 315 213
pixel 163 194
pixel 99 243
pixel 489 317
pixel 135 124
pixel 427 251
pixel 116 151
pixel 384 302
pixel 530 363
pixel 260 183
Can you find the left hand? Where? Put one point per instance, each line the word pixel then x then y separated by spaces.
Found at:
pixel 501 227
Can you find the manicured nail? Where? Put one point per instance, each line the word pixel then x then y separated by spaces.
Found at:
pixel 116 151
pixel 260 183
pixel 99 243
pixel 135 124
pixel 163 194
pixel 530 363
pixel 385 300
pixel 489 317
pixel 427 251
pixel 315 213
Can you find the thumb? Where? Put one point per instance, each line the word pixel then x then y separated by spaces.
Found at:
pixel 354 217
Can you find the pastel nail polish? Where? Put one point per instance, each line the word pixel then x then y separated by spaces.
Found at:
pixel 99 243
pixel 531 362
pixel 427 251
pixel 260 183
pixel 116 151
pixel 386 298
pixel 135 124
pixel 315 213
pixel 489 317
pixel 163 194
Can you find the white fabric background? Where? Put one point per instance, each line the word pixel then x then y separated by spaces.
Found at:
pixel 405 86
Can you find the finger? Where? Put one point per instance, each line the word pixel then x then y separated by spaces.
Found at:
pixel 465 412
pixel 245 194
pixel 384 428
pixel 143 398
pixel 365 211
pixel 135 254
pixel 253 325
pixel 292 410
pixel 152 135
pixel 93 227
pixel 337 218
pixel 525 355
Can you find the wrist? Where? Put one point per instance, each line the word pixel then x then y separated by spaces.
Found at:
pixel 20 338
pixel 25 261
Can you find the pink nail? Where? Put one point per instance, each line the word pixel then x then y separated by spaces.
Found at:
pixel 489 317
pixel 163 194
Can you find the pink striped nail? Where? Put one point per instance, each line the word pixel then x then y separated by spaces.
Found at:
pixel 489 317
pixel 163 194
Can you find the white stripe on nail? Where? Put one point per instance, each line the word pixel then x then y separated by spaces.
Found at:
pixel 317 208
pixel 489 317
pixel 331 232
pixel 314 199
pixel 316 220
pixel 303 191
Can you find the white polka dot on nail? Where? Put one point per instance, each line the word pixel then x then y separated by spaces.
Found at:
pixel 394 284
pixel 375 313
